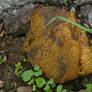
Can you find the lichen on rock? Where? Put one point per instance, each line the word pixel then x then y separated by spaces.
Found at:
pixel 59 48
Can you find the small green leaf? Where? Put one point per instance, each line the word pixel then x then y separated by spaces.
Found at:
pixel 21 67
pixel 27 75
pixel 59 88
pixel 53 85
pixel 40 72
pixel 47 87
pixel 34 88
pixel 89 87
pixel 25 60
pixel 19 63
pixel 36 74
pixel 31 81
pixel 40 82
pixel 36 68
pixel 51 81
pixel 64 90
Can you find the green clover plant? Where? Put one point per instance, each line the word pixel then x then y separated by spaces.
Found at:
pixel 36 80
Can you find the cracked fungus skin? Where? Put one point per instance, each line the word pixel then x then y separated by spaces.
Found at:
pixel 61 49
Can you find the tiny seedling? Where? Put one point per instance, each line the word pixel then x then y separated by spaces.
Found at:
pixel 71 22
pixel 18 69
pixel 25 60
pixel 60 89
pixel 47 88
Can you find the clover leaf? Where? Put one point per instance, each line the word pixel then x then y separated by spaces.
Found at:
pixel 64 90
pixel 36 68
pixel 38 73
pixel 52 83
pixel 59 88
pixel 27 75
pixel 47 88
pixel 31 81
pixel 40 82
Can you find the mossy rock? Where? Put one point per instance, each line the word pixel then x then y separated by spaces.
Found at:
pixel 59 48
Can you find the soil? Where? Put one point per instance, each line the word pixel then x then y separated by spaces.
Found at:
pixel 14 25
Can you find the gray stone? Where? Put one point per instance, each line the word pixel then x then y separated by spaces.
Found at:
pixel 13 3
pixel 15 20
pixel 80 2
pixel 86 12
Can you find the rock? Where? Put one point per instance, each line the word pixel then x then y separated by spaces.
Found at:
pixel 24 89
pixel 12 25
pixel 86 12
pixel 82 2
pixel 13 3
pixel 4 4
